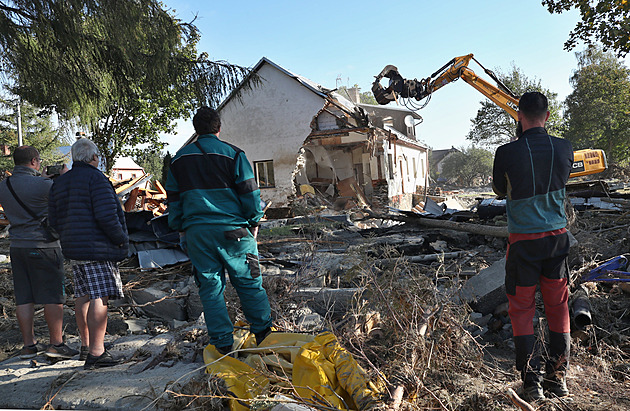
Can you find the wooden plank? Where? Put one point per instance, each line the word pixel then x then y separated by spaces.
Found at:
pixel 159 187
pixel 130 204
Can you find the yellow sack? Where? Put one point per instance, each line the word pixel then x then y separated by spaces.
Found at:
pixel 316 366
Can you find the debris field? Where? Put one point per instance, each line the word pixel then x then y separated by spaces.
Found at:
pixel 415 297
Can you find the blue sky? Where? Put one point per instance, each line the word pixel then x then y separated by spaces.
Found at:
pixel 353 40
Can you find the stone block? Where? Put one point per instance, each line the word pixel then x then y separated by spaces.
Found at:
pixel 158 306
pixel 485 291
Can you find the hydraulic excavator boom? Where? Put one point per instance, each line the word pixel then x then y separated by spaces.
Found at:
pixel 589 161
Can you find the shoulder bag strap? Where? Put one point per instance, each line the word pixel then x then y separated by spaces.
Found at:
pixel 202 150
pixel 28 210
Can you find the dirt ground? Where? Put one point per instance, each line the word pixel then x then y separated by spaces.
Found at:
pixel 408 330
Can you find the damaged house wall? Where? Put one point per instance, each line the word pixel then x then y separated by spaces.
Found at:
pixel 297 132
pixel 407 178
pixel 400 165
pixel 270 124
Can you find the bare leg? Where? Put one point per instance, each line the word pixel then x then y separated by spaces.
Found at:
pixel 81 306
pixel 25 313
pixel 97 324
pixel 53 313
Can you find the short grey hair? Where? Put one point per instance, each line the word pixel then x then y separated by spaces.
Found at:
pixel 84 150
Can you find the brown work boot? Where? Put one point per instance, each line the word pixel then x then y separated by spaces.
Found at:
pixel 556 384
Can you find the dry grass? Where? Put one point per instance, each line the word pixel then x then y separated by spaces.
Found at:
pixel 408 330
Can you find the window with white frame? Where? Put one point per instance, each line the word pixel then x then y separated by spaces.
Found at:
pixel 264 174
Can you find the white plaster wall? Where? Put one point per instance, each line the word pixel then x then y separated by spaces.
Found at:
pixel 125 174
pixel 406 155
pixel 271 123
pixel 342 162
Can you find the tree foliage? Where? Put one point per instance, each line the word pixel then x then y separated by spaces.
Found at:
pixel 151 162
pixel 493 126
pixel 38 130
pixel 125 69
pixel 598 108
pixel 468 167
pixel 606 21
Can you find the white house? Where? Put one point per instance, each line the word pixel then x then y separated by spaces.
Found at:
pixel 296 132
pixel 125 168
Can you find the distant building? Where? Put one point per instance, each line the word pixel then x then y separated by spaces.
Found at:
pixel 437 159
pixel 125 168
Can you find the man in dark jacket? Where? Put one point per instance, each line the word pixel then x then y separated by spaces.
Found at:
pixel 214 202
pixel 533 171
pixel 86 212
pixel 36 263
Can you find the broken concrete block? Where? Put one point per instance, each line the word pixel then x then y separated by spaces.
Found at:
pixel 480 319
pixel 157 303
pixel 485 291
pixel 194 307
pixel 310 322
pixel 137 325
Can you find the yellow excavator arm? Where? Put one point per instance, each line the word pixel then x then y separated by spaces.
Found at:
pixel 589 161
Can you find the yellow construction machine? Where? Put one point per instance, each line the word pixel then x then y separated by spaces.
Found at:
pixel 589 161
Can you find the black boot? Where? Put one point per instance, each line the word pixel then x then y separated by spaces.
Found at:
pixel 528 362
pixel 261 335
pixel 557 363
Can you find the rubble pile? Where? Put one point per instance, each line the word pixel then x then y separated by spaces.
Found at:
pixel 421 308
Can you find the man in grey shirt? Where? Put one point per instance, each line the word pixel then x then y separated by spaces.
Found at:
pixel 37 264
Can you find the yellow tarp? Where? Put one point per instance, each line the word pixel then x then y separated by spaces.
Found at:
pixel 318 369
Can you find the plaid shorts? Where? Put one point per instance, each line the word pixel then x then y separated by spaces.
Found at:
pixel 97 279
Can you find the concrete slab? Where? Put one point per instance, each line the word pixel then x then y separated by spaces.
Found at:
pixel 66 385
pixel 485 291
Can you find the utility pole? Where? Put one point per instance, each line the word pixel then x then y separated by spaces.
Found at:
pixel 18 113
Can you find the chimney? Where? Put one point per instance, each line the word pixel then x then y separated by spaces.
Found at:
pixel 354 95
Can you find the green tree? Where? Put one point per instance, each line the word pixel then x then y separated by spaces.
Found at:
pixel 166 164
pixel 125 69
pixel 367 98
pixel 38 130
pixel 606 21
pixel 152 162
pixel 598 108
pixel 493 126
pixel 470 166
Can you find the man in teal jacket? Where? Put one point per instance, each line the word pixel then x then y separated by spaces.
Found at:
pixel 214 202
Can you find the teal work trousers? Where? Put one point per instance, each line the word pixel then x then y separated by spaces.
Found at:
pixel 217 250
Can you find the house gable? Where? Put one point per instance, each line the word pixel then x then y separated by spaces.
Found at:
pixel 271 122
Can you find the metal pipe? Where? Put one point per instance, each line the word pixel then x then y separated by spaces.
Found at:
pixel 581 309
